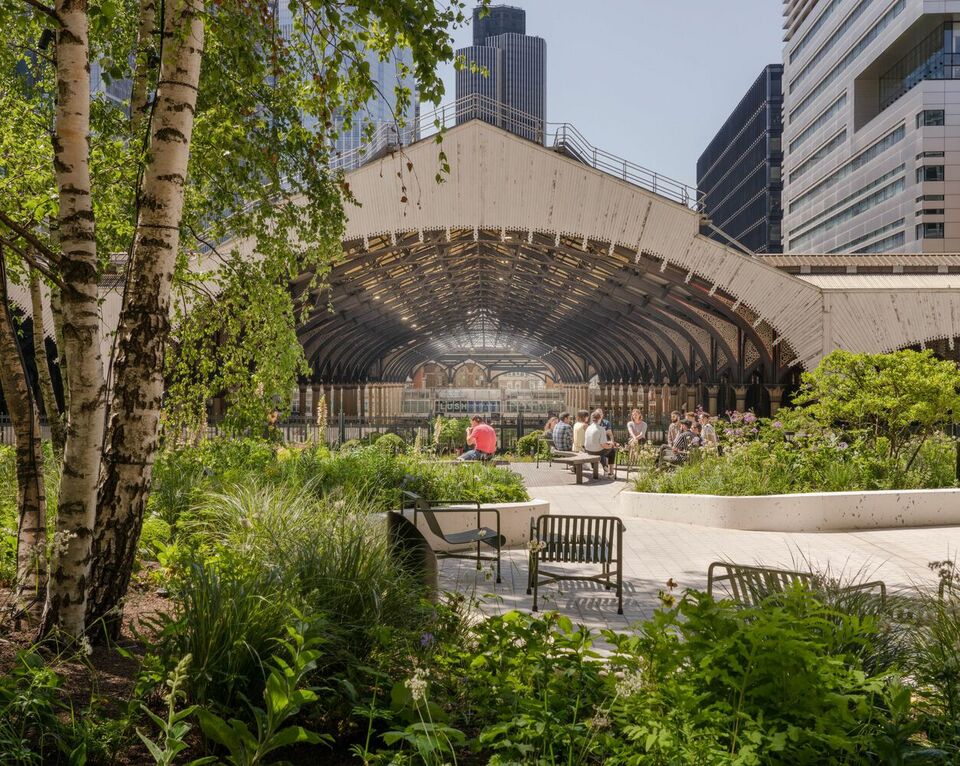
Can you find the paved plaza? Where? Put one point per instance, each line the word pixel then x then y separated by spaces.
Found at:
pixel 655 551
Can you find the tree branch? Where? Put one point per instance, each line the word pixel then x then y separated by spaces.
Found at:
pixel 51 12
pixel 31 238
pixel 25 254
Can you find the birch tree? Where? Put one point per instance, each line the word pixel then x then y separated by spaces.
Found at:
pixel 228 136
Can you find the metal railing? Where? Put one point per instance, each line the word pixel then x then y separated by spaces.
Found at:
pixel 562 137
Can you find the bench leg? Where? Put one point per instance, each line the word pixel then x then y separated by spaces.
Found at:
pixel 579 472
pixel 596 469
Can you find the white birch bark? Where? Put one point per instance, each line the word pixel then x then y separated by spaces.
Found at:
pixel 133 429
pixel 70 561
pixel 31 490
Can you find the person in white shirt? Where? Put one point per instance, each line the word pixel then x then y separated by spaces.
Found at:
pixel 707 432
pixel 596 441
pixel 637 429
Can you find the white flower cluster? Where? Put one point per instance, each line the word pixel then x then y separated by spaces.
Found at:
pixel 417 684
pixel 599 721
pixel 630 684
pixel 536 545
pixel 85 646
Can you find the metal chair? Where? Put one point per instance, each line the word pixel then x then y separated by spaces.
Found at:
pixel 430 509
pixel 576 540
pixel 749 585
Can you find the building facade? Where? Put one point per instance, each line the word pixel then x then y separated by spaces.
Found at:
pixel 509 72
pixel 739 173
pixel 871 132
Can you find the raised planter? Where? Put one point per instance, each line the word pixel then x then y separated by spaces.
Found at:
pixel 808 512
pixel 514 522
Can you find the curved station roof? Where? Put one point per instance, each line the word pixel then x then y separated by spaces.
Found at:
pixel 526 255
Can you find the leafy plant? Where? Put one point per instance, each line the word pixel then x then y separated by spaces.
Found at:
pixel 284 697
pixel 532 444
pixel 175 727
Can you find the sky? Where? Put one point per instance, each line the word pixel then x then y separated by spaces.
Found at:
pixel 649 80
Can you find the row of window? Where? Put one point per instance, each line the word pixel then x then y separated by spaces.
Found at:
pixel 825 116
pixel 875 183
pixel 844 27
pixel 883 245
pixel 851 212
pixel 855 163
pixel 815 27
pixel 828 148
pixel 933 58
pixel 846 246
pixel 847 60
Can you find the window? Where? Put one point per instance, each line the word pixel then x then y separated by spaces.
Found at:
pixel 931 211
pixel 774 174
pixel 929 173
pixel 828 114
pixel 930 198
pixel 930 230
pixel 930 118
pixel 929 154
pixel 848 23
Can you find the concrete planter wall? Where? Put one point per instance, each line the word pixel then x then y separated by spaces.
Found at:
pixel 514 522
pixel 809 512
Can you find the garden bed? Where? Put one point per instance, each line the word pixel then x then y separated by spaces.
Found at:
pixel 801 512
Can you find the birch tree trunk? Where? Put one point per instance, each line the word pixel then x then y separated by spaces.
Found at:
pixel 70 561
pixel 133 431
pixel 58 434
pixel 139 104
pixel 31 492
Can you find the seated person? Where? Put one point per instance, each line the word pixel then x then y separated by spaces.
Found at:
pixel 637 429
pixel 697 439
pixel 563 434
pixel 677 452
pixel 580 429
pixel 597 442
pixel 482 438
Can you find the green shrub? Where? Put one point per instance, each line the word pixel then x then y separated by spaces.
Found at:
pixel 532 444
pixel 700 682
pixel 391 444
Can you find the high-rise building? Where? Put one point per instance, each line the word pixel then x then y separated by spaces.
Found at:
pixel 738 174
pixel 380 114
pixel 871 126
pixel 510 72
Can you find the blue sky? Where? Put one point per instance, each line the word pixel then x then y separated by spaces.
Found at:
pixel 649 80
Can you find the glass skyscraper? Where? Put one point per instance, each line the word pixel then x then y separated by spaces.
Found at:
pixel 739 173
pixel 379 114
pixel 515 78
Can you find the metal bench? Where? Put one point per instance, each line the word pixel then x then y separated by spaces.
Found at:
pixel 430 509
pixel 563 539
pixel 749 585
pixel 578 460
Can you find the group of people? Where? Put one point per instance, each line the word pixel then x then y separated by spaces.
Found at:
pixel 688 430
pixel 592 433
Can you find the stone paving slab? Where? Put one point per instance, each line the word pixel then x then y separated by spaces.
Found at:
pixel 655 551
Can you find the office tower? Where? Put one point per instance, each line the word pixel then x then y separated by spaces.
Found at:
pixel 378 115
pixel 871 131
pixel 513 82
pixel 738 174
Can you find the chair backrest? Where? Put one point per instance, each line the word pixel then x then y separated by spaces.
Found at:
pixel 421 506
pixel 582 539
pixel 750 584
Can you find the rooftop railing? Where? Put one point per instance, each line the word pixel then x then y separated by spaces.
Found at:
pixel 562 137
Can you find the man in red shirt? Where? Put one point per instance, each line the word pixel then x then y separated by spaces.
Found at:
pixel 482 438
